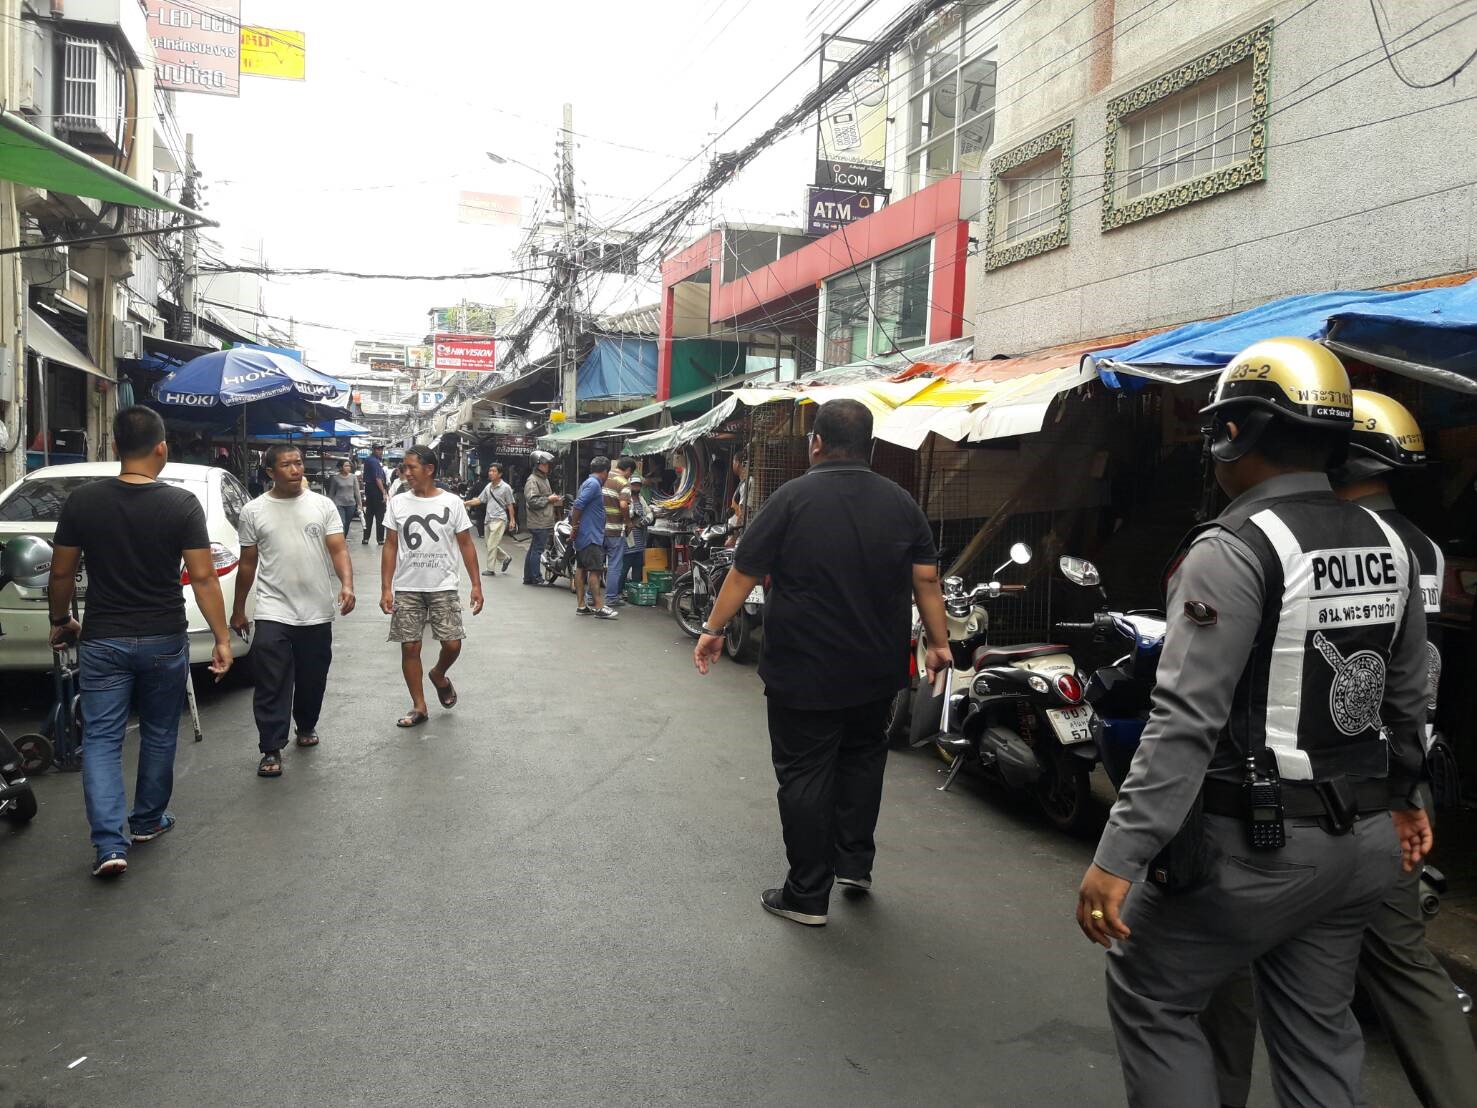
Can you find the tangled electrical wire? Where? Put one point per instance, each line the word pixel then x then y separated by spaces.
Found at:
pixel 689 483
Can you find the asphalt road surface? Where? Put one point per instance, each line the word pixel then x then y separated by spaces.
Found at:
pixel 548 895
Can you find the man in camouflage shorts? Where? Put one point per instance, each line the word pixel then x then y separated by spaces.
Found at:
pixel 427 532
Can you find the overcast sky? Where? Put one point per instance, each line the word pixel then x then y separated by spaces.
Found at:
pixel 360 166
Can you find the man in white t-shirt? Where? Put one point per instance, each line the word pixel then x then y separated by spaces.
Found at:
pixel 292 547
pixel 429 531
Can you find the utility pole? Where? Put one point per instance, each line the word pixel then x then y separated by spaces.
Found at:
pixel 185 326
pixel 568 320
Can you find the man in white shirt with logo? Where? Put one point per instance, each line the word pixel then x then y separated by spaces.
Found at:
pixel 428 531
pixel 292 547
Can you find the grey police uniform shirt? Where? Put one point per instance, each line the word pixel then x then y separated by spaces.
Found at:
pixel 1198 672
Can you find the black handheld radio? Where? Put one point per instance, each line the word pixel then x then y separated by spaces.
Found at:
pixel 1264 827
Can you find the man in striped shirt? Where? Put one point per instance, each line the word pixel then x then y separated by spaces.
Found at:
pixel 616 495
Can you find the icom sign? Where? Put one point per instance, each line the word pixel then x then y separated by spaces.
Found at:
pixel 828 210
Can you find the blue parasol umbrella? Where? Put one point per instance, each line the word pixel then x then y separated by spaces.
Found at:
pixel 229 380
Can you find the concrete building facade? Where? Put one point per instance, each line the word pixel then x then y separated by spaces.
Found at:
pixel 1164 162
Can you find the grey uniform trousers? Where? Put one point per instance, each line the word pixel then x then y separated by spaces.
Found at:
pixel 1410 991
pixel 1297 915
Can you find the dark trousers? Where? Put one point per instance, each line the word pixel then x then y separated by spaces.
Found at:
pixel 829 766
pixel 291 667
pixel 538 539
pixel 374 513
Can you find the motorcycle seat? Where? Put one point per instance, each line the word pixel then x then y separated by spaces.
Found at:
pixel 1004 655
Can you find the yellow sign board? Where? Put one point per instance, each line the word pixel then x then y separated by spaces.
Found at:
pixel 268 52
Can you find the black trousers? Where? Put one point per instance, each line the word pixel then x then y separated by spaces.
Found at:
pixel 374 512
pixel 829 765
pixel 291 667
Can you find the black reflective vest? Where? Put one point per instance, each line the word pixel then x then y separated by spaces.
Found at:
pixel 1337 582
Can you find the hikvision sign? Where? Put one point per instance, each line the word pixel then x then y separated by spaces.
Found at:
pixel 465 353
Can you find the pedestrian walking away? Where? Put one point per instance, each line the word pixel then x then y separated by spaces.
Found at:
pixel 292 549
pixel 616 495
pixel 1410 991
pixel 376 493
pixel 343 490
pixel 429 532
pixel 633 564
pixel 588 520
pixel 133 530
pixel 845 548
pixel 1270 805
pixel 501 504
pixel 542 503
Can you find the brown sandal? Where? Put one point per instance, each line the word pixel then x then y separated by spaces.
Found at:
pixel 414 719
pixel 310 739
pixel 446 693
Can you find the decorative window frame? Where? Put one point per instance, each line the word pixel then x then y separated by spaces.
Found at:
pixel 996 256
pixel 1255 44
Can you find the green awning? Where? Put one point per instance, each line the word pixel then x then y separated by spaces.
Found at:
pixel 574 432
pixel 668 439
pixel 29 156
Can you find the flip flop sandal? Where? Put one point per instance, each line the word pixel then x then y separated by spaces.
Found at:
pixel 310 739
pixel 414 719
pixel 269 766
pixel 446 694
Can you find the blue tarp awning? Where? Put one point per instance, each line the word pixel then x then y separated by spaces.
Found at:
pixel 1430 334
pixel 618 368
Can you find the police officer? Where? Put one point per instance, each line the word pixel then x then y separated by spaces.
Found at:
pixel 1410 991
pixel 1253 825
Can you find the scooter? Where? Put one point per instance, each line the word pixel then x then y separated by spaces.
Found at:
pixel 1014 712
pixel 694 592
pixel 557 559
pixel 17 801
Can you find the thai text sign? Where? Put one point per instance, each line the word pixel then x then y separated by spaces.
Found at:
pixel 269 52
pixel 827 210
pixel 465 353
pixel 197 46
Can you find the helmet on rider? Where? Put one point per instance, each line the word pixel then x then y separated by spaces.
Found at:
pixel 1291 381
pixel 540 457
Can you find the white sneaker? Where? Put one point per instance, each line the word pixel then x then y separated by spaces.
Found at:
pixel 607 613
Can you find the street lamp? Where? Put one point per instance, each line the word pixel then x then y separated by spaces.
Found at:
pixel 501 159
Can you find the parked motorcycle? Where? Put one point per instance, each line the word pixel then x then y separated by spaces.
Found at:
pixel 694 592
pixel 557 559
pixel 1015 712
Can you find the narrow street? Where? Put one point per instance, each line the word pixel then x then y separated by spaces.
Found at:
pixel 548 895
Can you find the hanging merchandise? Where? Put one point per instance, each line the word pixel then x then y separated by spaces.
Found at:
pixel 690 481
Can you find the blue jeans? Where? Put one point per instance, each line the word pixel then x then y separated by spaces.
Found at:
pixel 539 538
pixel 346 513
pixel 114 673
pixel 615 553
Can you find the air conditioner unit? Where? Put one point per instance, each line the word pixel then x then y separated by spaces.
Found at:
pixel 92 93
pixel 34 98
pixel 128 339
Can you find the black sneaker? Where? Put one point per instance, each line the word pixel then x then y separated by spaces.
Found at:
pixel 110 865
pixel 862 883
pixel 584 611
pixel 488 573
pixel 774 902
pixel 506 563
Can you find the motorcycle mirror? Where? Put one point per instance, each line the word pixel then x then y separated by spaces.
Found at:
pixel 1080 571
pixel 1020 553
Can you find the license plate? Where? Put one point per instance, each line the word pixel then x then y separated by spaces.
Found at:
pixel 1072 725
pixel 756 595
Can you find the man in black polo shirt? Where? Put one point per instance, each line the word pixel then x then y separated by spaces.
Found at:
pixel 844 548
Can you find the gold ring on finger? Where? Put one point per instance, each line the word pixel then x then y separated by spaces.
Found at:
pixel 1096 913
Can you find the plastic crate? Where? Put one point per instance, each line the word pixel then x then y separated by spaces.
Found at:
pixel 643 596
pixel 659 580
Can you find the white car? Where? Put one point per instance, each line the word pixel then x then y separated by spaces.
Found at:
pixel 32 506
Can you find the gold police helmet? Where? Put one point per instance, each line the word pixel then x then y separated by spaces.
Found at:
pixel 1385 433
pixel 1295 380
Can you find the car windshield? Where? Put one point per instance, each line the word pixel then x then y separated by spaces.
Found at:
pixel 39 499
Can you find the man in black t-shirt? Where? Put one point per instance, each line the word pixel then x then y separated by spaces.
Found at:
pixel 844 548
pixel 133 530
